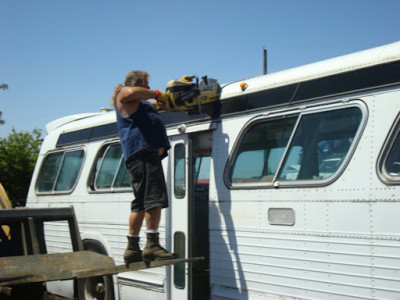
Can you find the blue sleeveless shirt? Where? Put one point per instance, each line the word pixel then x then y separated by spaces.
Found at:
pixel 141 130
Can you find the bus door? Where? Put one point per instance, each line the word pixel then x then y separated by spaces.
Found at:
pixel 189 179
pixel 199 245
pixel 179 205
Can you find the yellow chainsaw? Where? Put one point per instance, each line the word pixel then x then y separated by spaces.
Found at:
pixel 194 97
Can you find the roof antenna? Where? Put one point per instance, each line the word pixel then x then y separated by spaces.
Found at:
pixel 265 60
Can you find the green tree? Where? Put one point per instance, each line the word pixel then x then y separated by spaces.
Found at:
pixel 18 154
pixel 3 86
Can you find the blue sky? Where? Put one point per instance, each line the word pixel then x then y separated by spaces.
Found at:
pixel 64 57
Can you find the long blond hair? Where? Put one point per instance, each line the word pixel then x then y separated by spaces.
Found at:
pixel 133 78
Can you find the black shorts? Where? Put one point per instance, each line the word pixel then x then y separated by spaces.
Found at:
pixel 148 181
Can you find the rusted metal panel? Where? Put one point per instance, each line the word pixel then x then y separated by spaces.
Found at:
pixel 33 218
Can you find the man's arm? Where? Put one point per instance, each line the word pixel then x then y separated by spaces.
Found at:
pixel 136 93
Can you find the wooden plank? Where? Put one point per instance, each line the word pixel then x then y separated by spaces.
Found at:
pixel 72 265
pixel 48 267
pixel 134 267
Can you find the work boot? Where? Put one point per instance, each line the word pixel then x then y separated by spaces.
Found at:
pixel 132 252
pixel 153 250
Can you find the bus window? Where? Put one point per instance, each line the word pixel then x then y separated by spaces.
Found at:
pixel 246 168
pixel 179 269
pixel 69 171
pixel 389 161
pixel 60 171
pixel 49 171
pixel 109 167
pixel 122 179
pixel 201 172
pixel 291 170
pixel 179 171
pixel 260 151
pixel 320 144
pixel 109 171
pixel 392 164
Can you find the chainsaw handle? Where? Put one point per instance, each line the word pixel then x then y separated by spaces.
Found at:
pixel 205 79
pixel 197 80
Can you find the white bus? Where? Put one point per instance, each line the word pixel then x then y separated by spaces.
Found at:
pixel 292 192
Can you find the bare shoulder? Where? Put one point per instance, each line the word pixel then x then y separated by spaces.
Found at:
pixel 127 94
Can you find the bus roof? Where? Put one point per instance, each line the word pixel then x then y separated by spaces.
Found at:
pixel 368 69
pixel 329 67
pixel 68 119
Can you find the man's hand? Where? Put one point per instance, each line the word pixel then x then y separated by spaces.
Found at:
pixel 164 101
pixel 162 96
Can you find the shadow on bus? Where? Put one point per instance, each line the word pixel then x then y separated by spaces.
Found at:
pixel 227 275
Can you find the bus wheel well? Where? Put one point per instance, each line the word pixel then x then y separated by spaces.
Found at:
pixel 95 246
pixel 99 287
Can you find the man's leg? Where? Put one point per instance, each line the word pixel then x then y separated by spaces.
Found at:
pixel 133 252
pixel 136 167
pixel 135 222
pixel 153 249
pixel 153 217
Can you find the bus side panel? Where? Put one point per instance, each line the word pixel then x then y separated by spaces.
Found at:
pixel 345 238
pixel 102 217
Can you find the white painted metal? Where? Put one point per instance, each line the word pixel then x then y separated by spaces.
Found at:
pixel 179 212
pixel 346 240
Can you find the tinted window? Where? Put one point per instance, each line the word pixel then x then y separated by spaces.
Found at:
pixel 179 269
pixel 88 134
pixel 69 171
pixel 108 167
pixel 60 171
pixel 280 150
pixel 179 171
pixel 110 170
pixel 260 151
pixel 320 144
pixel 122 178
pixel 390 163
